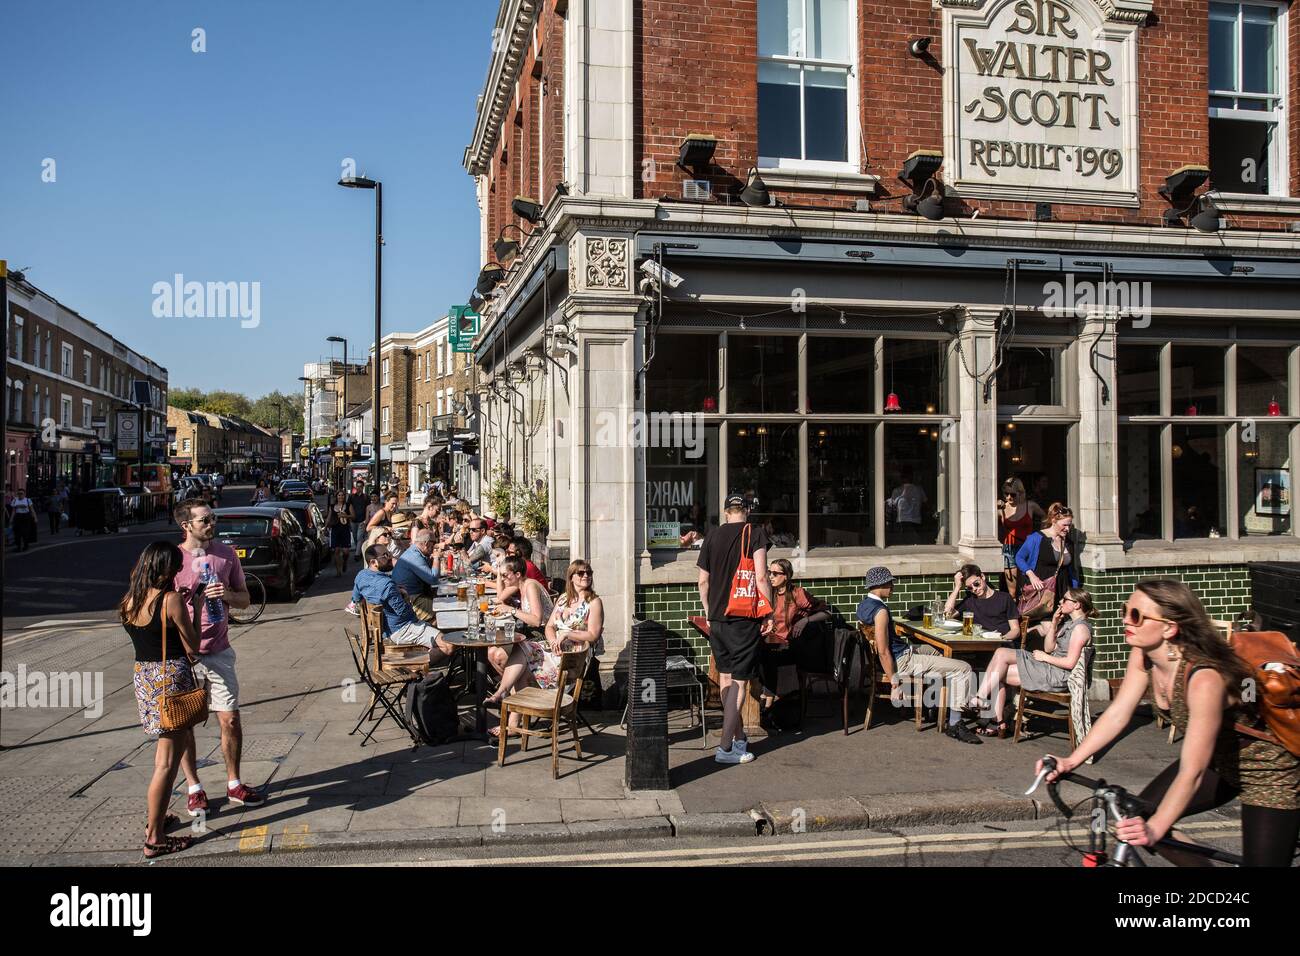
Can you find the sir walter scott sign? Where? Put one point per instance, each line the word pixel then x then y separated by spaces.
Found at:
pixel 1040 102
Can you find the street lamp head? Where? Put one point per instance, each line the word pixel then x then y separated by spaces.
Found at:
pixel 357 182
pixel 335 338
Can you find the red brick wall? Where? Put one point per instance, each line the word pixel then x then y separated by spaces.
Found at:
pixel 696 71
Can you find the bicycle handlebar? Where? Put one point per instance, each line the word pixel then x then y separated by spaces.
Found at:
pixel 1129 805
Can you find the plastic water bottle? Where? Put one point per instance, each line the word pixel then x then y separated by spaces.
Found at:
pixel 216 607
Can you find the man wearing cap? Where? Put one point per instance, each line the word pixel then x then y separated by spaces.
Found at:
pixel 734 640
pixel 902 662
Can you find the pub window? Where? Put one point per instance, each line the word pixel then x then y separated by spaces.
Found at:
pixel 683 375
pixel 385 372
pixel 1246 99
pixel 1030 375
pixel 1137 379
pixel 1196 380
pixel 840 495
pixel 763 465
pixel 762 373
pixel 915 501
pixel 806 96
pixel 1261 381
pixel 1264 490
pixel 915 371
pixel 841 374
pixel 682 478
pixel 16 407
pixel 1198 481
pixel 85 372
pixel 87 413
pixel 65 411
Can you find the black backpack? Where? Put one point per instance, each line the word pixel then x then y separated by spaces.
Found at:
pixel 430 710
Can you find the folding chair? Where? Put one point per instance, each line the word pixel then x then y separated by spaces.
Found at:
pixel 387 681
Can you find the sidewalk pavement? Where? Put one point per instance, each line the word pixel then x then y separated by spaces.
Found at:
pixel 72 788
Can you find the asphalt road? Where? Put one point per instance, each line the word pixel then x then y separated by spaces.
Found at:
pixel 80 578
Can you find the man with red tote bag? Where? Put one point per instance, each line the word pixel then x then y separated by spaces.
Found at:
pixel 736 599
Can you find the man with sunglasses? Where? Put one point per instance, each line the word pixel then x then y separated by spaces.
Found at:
pixel 203 559
pixel 992 610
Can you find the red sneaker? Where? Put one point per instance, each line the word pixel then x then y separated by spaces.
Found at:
pixel 197 803
pixel 242 795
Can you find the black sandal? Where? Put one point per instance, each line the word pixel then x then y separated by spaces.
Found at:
pixel 169 845
pixel 994 728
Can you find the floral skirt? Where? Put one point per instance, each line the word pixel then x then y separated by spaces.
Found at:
pixel 545 665
pixel 151 677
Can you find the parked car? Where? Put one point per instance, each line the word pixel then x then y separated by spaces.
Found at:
pixel 100 509
pixel 269 542
pixel 312 520
pixel 293 490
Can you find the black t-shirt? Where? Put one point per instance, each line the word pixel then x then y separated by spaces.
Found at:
pixel 720 556
pixel 993 613
pixel 358 502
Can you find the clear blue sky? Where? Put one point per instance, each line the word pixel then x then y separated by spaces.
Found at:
pixel 222 166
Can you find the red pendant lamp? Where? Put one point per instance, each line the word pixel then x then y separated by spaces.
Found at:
pixel 1274 407
pixel 892 404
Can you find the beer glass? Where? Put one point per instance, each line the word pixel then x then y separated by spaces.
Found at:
pixel 967 623
pixel 480 588
pixel 462 593
pixel 927 618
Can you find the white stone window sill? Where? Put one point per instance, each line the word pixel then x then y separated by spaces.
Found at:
pixel 1189 552
pixel 844 182
pixel 1251 203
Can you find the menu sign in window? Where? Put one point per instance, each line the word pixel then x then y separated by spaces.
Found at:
pixel 1042 102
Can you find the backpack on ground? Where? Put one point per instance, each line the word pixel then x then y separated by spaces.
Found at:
pixel 430 710
pixel 1273 661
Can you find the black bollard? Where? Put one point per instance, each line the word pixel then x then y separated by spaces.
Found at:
pixel 647 724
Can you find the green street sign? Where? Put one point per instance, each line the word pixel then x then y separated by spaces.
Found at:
pixel 463 327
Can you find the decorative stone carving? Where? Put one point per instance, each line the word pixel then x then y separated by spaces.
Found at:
pixel 599 264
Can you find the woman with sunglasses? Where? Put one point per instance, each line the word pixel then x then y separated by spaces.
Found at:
pixel 1196 680
pixel 526 663
pixel 787 636
pixel 1064 638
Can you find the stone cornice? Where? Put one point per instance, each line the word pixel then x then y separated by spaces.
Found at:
pixel 510 45
pixel 1120 11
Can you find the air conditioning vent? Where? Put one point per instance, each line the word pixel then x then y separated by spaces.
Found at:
pixel 700 190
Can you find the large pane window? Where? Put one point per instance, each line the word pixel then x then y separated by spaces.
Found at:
pixel 1261 380
pixel 762 373
pixel 1036 454
pixel 916 371
pixel 1137 379
pixel 1139 498
pixel 763 463
pixel 840 374
pixel 682 489
pixel 915 512
pixel 1245 99
pixel 1196 382
pixel 805 59
pixel 1264 489
pixel 683 376
pixel 1198 481
pixel 839 485
pixel 1030 375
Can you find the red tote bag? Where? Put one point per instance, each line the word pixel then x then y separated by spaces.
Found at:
pixel 746 599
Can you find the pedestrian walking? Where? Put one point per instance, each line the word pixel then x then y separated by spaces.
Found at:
pixel 58 506
pixel 358 502
pixel 339 524
pixel 162 667
pixel 734 638
pixel 23 520
pixel 206 560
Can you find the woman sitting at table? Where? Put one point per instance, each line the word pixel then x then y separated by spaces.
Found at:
pixel 526 601
pixel 788 637
pixel 575 623
pixel 1065 637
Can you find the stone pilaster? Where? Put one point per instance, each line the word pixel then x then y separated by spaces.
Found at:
pixel 976 450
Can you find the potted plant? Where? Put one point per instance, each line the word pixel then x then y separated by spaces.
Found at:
pixel 500 493
pixel 534 511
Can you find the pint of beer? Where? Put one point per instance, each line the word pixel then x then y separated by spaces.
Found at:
pixel 462 592
pixel 967 623
pixel 480 588
pixel 927 618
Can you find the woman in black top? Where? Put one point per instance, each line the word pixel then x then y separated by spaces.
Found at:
pixel 152 595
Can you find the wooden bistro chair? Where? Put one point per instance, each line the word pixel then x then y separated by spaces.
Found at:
pixel 1074 702
pixel 386 674
pixel 877 684
pixel 553 705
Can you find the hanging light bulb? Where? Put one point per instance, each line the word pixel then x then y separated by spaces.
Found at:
pixel 742 325
pixel 1017 455
pixel 1011 426
pixel 821 433
pixel 1006 441
pixel 1274 407
pixel 742 432
pixel 929 408
pixel 1177 451
pixel 761 430
pixel 934 434
pixel 1250 452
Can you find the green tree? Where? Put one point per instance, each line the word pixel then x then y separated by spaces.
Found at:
pixel 278 409
pixel 186 398
pixel 226 403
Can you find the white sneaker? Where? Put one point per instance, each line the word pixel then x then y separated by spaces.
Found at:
pixel 732 756
pixel 353 609
pixel 741 744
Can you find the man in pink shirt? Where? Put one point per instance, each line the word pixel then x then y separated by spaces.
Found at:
pixel 208 561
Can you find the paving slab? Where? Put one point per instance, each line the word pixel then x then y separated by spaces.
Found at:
pixel 575 810
pixel 381 813
pixel 436 781
pixel 507 812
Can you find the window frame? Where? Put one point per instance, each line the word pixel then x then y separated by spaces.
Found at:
pixel 67 361
pixel 853 140
pixel 1278 116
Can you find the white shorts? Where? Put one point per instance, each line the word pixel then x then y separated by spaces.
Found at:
pixel 223 685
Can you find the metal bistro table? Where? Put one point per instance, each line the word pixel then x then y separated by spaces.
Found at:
pixel 950 642
pixel 479 648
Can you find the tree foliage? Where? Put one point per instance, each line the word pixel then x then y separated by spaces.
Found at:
pixel 273 410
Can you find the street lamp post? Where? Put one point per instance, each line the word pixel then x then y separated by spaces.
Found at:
pixel 360 182
pixel 304 378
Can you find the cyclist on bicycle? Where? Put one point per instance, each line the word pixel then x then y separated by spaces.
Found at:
pixel 1196 681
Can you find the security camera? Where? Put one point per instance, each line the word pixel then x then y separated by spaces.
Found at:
pixel 560 330
pixel 661 274
pixel 648 287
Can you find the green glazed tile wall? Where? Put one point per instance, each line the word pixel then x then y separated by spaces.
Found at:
pixel 1225 590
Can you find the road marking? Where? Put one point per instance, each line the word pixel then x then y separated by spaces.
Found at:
pixel 80 620
pixel 822 850
pixel 294 837
pixel 253 839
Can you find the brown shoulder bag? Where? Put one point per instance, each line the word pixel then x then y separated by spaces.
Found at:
pixel 179 711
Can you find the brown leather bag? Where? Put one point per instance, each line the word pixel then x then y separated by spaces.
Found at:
pixel 1273 661
pixel 1039 605
pixel 178 711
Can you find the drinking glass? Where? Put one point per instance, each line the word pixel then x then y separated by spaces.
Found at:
pixel 480 588
pixel 927 618
pixel 968 623
pixel 462 593
pixel 509 624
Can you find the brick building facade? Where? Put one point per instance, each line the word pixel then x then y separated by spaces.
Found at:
pixel 1052 240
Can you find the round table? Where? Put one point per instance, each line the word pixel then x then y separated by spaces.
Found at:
pixel 479 648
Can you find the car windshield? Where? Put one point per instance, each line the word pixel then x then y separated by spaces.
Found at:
pixel 243 526
pixel 293 486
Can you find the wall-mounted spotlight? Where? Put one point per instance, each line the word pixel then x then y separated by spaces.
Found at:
pixel 696 152
pixel 476 301
pixel 755 192
pixel 506 249
pixel 919 47
pixel 488 277
pixel 527 209
pixel 1183 182
pixel 1208 219
pixel 919 167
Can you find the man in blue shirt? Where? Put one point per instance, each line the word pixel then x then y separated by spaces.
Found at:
pixel 416 573
pixel 376 586
pixel 901 661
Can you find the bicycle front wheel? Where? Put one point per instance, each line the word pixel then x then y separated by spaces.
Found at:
pixel 256 604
